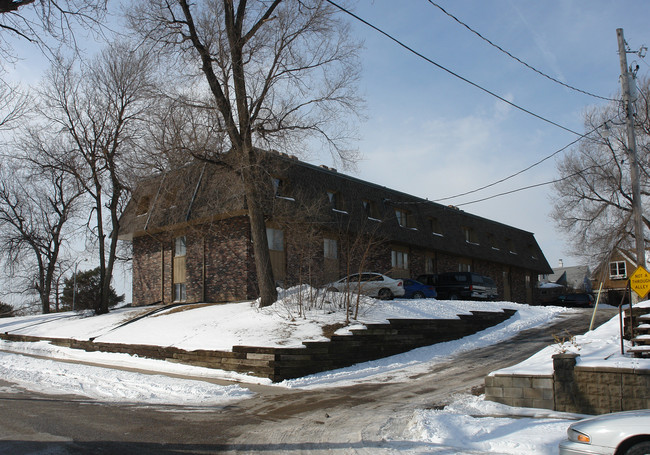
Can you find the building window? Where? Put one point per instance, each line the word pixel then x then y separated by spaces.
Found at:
pixel 470 235
pixel 617 270
pixel 334 198
pixel 180 251
pixel 465 265
pixel 404 218
pixel 369 208
pixel 430 262
pixel 434 226
pixel 180 293
pixel 277 187
pixel 492 241
pixel 510 246
pixel 399 259
pixel 330 249
pixel 180 248
pixel 275 237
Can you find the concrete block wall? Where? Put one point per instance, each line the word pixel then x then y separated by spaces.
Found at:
pixel 277 364
pixel 574 388
pixel 521 390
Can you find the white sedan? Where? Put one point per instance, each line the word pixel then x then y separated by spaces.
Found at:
pixel 371 284
pixel 620 433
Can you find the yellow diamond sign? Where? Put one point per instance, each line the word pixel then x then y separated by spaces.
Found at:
pixel 640 281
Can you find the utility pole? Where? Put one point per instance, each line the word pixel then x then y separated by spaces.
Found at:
pixel 628 105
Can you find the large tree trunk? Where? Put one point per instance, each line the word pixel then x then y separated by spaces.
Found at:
pixel 265 281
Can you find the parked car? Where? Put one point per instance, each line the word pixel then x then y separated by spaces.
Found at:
pixel 416 290
pixel 491 286
pixel 582 300
pixel 620 433
pixel 460 285
pixel 371 284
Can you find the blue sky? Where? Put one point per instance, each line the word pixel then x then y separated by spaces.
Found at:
pixel 432 135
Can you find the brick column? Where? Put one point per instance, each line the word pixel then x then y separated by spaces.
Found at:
pixel 564 386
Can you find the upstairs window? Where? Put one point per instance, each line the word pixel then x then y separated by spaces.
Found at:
pixel 617 270
pixel 470 235
pixel 434 226
pixel 404 218
pixel 335 201
pixel 277 187
pixel 370 209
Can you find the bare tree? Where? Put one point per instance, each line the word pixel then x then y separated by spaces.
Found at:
pixel 36 21
pixel 13 105
pixel 94 125
pixel 594 193
pixel 278 73
pixel 36 204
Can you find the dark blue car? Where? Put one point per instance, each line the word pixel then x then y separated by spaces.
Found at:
pixel 416 290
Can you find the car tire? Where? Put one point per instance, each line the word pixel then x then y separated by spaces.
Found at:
pixel 642 448
pixel 418 295
pixel 332 289
pixel 453 297
pixel 385 294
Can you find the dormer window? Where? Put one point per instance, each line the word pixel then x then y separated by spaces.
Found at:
pixel 277 187
pixel 334 199
pixel 369 208
pixel 404 218
pixel 470 235
pixel 434 226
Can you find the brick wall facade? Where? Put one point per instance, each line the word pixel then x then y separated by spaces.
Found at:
pixel 220 264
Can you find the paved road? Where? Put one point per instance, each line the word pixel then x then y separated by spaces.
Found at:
pixel 362 419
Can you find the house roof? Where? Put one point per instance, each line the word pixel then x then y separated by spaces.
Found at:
pixel 574 276
pixel 201 191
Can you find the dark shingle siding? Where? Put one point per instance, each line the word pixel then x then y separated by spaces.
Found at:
pixel 203 190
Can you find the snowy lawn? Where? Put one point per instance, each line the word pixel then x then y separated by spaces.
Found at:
pixel 468 422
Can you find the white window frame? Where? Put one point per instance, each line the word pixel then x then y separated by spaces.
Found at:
pixel 618 275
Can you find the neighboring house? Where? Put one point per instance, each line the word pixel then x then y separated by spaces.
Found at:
pixel 614 275
pixel 563 280
pixel 574 278
pixel 191 236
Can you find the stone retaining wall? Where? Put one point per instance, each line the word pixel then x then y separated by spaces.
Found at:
pixel 277 364
pixel 574 388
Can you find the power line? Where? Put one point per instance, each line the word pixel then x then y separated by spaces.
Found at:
pixel 474 84
pixel 523 170
pixel 516 58
pixel 505 193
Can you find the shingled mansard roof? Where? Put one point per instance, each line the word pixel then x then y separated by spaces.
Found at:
pixel 200 192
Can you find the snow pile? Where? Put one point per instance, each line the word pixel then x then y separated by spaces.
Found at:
pixel 51 377
pixel 470 423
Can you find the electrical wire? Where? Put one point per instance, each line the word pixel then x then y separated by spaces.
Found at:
pixel 447 70
pixel 525 169
pixel 516 58
pixel 505 193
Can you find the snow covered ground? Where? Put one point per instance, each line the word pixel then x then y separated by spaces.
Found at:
pixel 469 421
